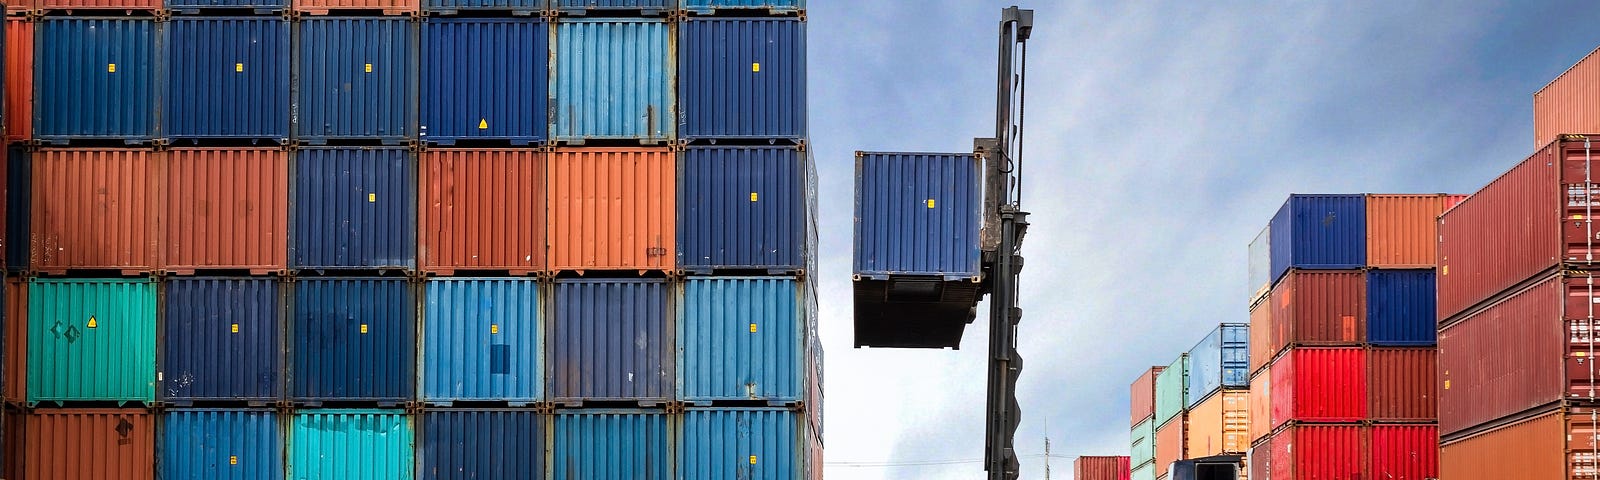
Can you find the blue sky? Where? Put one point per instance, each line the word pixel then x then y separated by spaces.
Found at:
pixel 1161 137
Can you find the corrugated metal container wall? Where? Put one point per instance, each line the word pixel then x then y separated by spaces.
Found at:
pixel 1143 443
pixel 470 92
pixel 610 340
pixel 1261 421
pixel 1400 307
pixel 227 77
pixel 1259 272
pixel 95 209
pixel 482 209
pixel 91 340
pixel 482 340
pixel 1320 308
pixel 1319 452
pixel 1319 232
pixel 1144 472
pixel 1143 396
pixel 324 7
pixel 448 7
pixel 220 444
pixel 1220 424
pixel 601 443
pixel 1172 389
pixel 582 6
pixel 917 214
pixel 96 78
pixel 1320 385
pixel 354 208
pixel 1220 360
pixel 226 208
pixel 1556 445
pixel 259 6
pixel 741 443
pixel 1261 461
pixel 1570 103
pixel 614 79
pixel 743 77
pixel 1401 384
pixel 91 5
pixel 354 339
pixel 741 339
pixel 612 209
pixel 18 78
pixel 1505 359
pixel 220 339
pixel 82 444
pixel 15 377
pixel 710 6
pixel 351 445
pixel 1402 230
pixel 1262 346
pixel 482 444
pixel 1404 452
pixel 741 208
pixel 1171 444
pixel 1100 468
pixel 19 207
pixel 358 78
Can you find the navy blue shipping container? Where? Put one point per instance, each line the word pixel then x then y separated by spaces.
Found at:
pixel 580 7
pixel 353 339
pixel 220 340
pixel 212 444
pixel 742 208
pixel 94 78
pixel 742 78
pixel 918 214
pixel 358 79
pixel 1322 232
pixel 19 206
pixel 353 207
pixel 742 443
pixel 773 6
pixel 257 6
pixel 612 444
pixel 227 77
pixel 485 78
pixel 482 444
pixel 610 339
pixel 1400 307
pixel 1221 360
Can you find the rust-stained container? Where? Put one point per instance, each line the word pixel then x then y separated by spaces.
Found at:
pixel 482 209
pixel 1143 396
pixel 1401 384
pixel 1402 230
pixel 1403 452
pixel 1220 424
pixel 226 208
pixel 1261 460
pixel 88 444
pixel 1170 444
pixel 612 209
pixel 18 77
pixel 1558 445
pixel 1261 349
pixel 14 7
pixel 1570 103
pixel 1319 385
pixel 1319 452
pixel 1261 421
pixel 324 7
pixel 95 209
pixel 1319 307
pixel 1097 468
pixel 97 4
pixel 15 388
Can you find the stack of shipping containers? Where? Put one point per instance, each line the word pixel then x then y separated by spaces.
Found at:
pixel 1142 417
pixel 1100 468
pixel 1199 405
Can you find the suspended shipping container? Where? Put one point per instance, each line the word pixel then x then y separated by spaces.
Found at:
pixel 91 340
pixel 1171 443
pixel 85 444
pixel 482 444
pixel 1308 452
pixel 351 445
pixel 482 210
pixel 14 376
pixel 485 79
pixel 1262 350
pixel 97 78
pixel 603 443
pixel 1100 468
pixel 584 7
pixel 741 443
pixel 743 78
pixel 353 339
pixel 452 7
pixel 1259 271
pixel 482 340
pixel 1143 445
pixel 742 208
pixel 95 209
pixel 1318 307
pixel 357 78
pixel 611 209
pixel 19 207
pixel 226 209
pixel 1220 361
pixel 1172 390
pixel 204 444
pixel 918 214
pixel 1402 230
pixel 354 207
pixel 220 340
pixel 1319 385
pixel 1405 452
pixel 18 77
pixel 611 339
pixel 227 77
pixel 1401 385
pixel 1559 444
pixel 1261 421
pixel 1570 103
pixel 1322 232
pixel 1400 307
pixel 1143 396
pixel 614 79
pixel 1220 425
pixel 772 6
pixel 741 339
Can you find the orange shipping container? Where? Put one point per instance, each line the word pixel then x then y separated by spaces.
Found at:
pixel 612 209
pixel 324 7
pixel 226 208
pixel 1570 103
pixel 98 5
pixel 16 334
pixel 1143 396
pixel 1220 424
pixel 94 209
pixel 1261 349
pixel 1402 230
pixel 19 77
pixel 1170 443
pixel 74 444
pixel 1260 405
pixel 14 7
pixel 1555 445
pixel 482 210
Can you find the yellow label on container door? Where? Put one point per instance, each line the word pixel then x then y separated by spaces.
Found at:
pixel 494 329
pixel 752 328
pixel 92 322
pixel 369 68
pixel 234 328
pixel 930 203
pixel 754 197
pixel 1446 384
pixel 111 67
pixel 372 197
pixel 238 67
pixel 755 67
pixel 233 459
pixel 752 459
pixel 363 329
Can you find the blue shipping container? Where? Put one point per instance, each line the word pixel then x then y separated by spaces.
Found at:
pixel 485 78
pixel 1400 307
pixel 19 206
pixel 354 207
pixel 613 444
pixel 741 443
pixel 353 339
pixel 775 6
pixel 214 444
pixel 220 339
pixel 94 78
pixel 1259 261
pixel 610 340
pixel 351 445
pixel 918 214
pixel 583 6
pixel 741 339
pixel 482 340
pixel 1322 232
pixel 448 7
pixel 482 444
pixel 257 6
pixel 1221 360
pixel 614 80
pixel 227 77
pixel 358 79
pixel 742 208
pixel 742 78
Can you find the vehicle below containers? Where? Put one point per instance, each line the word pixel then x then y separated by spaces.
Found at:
pixel 227 78
pixel 1319 232
pixel 357 78
pixel 85 444
pixel 1555 444
pixel 1570 103
pixel 741 443
pixel 1402 384
pixel 482 340
pixel 1172 390
pixel 1143 395
pixel 97 79
pixel 1171 443
pixel 19 31
pixel 1400 307
pixel 354 208
pixel 741 339
pixel 1319 307
pixel 220 340
pixel 613 79
pixel 482 210
pixel 1219 425
pixel 1100 468
pixel 472 444
pixel 1305 452
pixel 1402 229
pixel 328 444
pixel 95 209
pixel 612 209
pixel 742 208
pixel 607 443
pixel 91 340
pixel 1219 361
pixel 474 93
pixel 610 340
pixel 353 339
pixel 1319 385
pixel 225 209
pixel 742 77
pixel 217 443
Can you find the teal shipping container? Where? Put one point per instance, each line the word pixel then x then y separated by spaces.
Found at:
pixel 91 340
pixel 207 444
pixel 351 445
pixel 1172 390
pixel 1143 445
pixel 614 78
pixel 742 443
pixel 740 339
pixel 482 340
pixel 612 444
pixel 1144 472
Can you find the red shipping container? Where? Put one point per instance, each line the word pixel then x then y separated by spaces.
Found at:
pixel 1319 385
pixel 1319 307
pixel 1530 220
pixel 1261 346
pixel 1570 103
pixel 1100 468
pixel 16 345
pixel 1319 452
pixel 482 210
pixel 226 208
pixel 1404 452
pixel 1261 460
pixel 1171 445
pixel 19 77
pixel 1261 421
pixel 1559 444
pixel 1144 396
pixel 95 209
pixel 88 444
pixel 1401 384
pixel 98 4
pixel 15 7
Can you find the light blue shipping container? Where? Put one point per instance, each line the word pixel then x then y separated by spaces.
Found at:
pixel 94 78
pixel 582 7
pixel 357 79
pixel 614 79
pixel 1144 472
pixel 1221 360
pixel 774 6
pixel 741 444
pixel 227 77
pixel 611 444
pixel 482 340
pixel 740 338
pixel 338 444
pixel 216 444
pixel 1172 390
pixel 1143 444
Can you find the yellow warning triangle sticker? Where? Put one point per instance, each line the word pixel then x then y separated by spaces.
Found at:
pixel 483 124
pixel 92 322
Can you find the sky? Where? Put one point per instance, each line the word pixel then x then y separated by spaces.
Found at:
pixel 1160 138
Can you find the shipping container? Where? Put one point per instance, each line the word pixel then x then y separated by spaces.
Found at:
pixel 1400 307
pixel 354 208
pixel 741 339
pixel 1319 385
pixel 1143 396
pixel 95 209
pixel 1262 349
pixel 741 443
pixel 351 445
pixel 1401 384
pixel 1100 468
pixel 485 78
pixel 15 375
pixel 482 444
pixel 111 6
pixel 1402 230
pixel 84 444
pixel 1259 270
pixel 18 78
pixel 227 77
pixel 1311 452
pixel 1404 452
pixel 220 340
pixel 482 210
pixel 353 339
pixel 386 7
pixel 918 214
pixel 1172 390
pixel 206 444
pixel 91 340
pixel 1261 421
pixel 1319 307
pixel 605 443
pixel 742 78
pixel 19 207
pixel 815 467
pixel 226 209
pixel 1321 232
pixel 452 7
pixel 611 209
pixel 1528 221
pixel 1558 444
pixel 1570 103
pixel 1261 460
pixel 742 208
pixel 357 78
pixel 614 78
pixel 611 339
pixel 772 6
pixel 482 340
pixel 96 78
pixel 1220 361
pixel 1220 425
pixel 256 6
pixel 1144 472
pixel 1171 443
pixel 1143 444
pixel 583 7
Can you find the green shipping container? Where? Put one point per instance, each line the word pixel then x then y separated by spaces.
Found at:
pixel 91 340
pixel 1144 472
pixel 351 445
pixel 1143 446
pixel 1172 390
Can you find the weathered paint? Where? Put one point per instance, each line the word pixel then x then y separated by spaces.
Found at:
pixel 1568 104
pixel 14 354
pixel 1305 452
pixel 482 340
pixel 207 444
pixel 337 444
pixel 1402 384
pixel 1405 452
pixel 95 78
pixel 1261 420
pixel 470 92
pixel 225 208
pixel 482 209
pixel 1400 307
pixel 917 214
pixel 354 207
pixel 1143 396
pixel 741 208
pixel 602 443
pixel 612 209
pixel 1172 390
pixel 227 77
pixel 1100 468
pixel 95 209
pixel 613 79
pixel 740 339
pixel 84 444
pixel 1557 444
pixel 386 7
pixel 1143 445
pixel 1319 232
pixel 774 6
pixel 353 339
pixel 1319 307
pixel 18 77
pixel 357 79
pixel 610 340
pixel 220 339
pixel 91 340
pixel 1221 360
pixel 1403 230
pixel 19 207
pixel 482 444
pixel 741 444
pixel 1220 424
pixel 742 77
